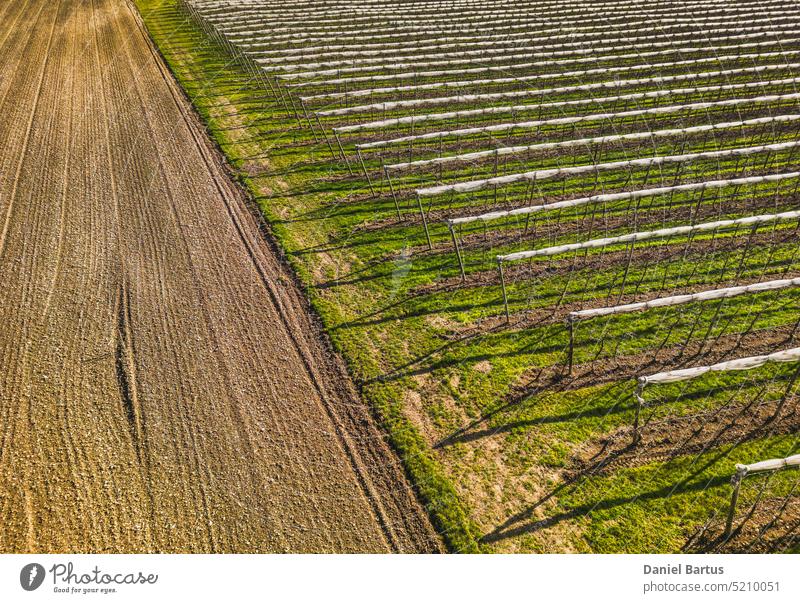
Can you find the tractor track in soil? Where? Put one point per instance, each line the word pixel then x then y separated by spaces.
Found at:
pixel 164 384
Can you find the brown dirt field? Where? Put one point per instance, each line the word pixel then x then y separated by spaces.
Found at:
pixel 163 384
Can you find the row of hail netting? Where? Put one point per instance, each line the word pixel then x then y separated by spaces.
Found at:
pixel 486 134
pixel 764 517
pixel 706 406
pixel 731 405
pixel 727 404
pixel 622 177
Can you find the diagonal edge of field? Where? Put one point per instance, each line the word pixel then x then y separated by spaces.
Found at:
pixel 381 473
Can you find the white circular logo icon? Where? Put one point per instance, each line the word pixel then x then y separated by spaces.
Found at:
pixel 31 576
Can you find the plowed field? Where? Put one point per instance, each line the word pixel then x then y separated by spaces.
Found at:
pixel 163 386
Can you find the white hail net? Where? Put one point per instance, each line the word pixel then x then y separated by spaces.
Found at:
pixel 547 174
pixel 770 465
pixel 741 364
pixel 594 140
pixel 676 300
pixel 653 234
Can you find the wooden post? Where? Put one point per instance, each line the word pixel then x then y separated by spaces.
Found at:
pixel 736 482
pixel 308 119
pixel 458 251
pixel 282 96
pixel 341 150
pixel 330 146
pixel 391 190
pixel 503 285
pixel 366 173
pixel 571 350
pixel 294 109
pixel 424 222
pixel 639 405
pixel 265 78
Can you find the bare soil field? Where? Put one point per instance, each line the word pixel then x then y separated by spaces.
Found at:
pixel 163 384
